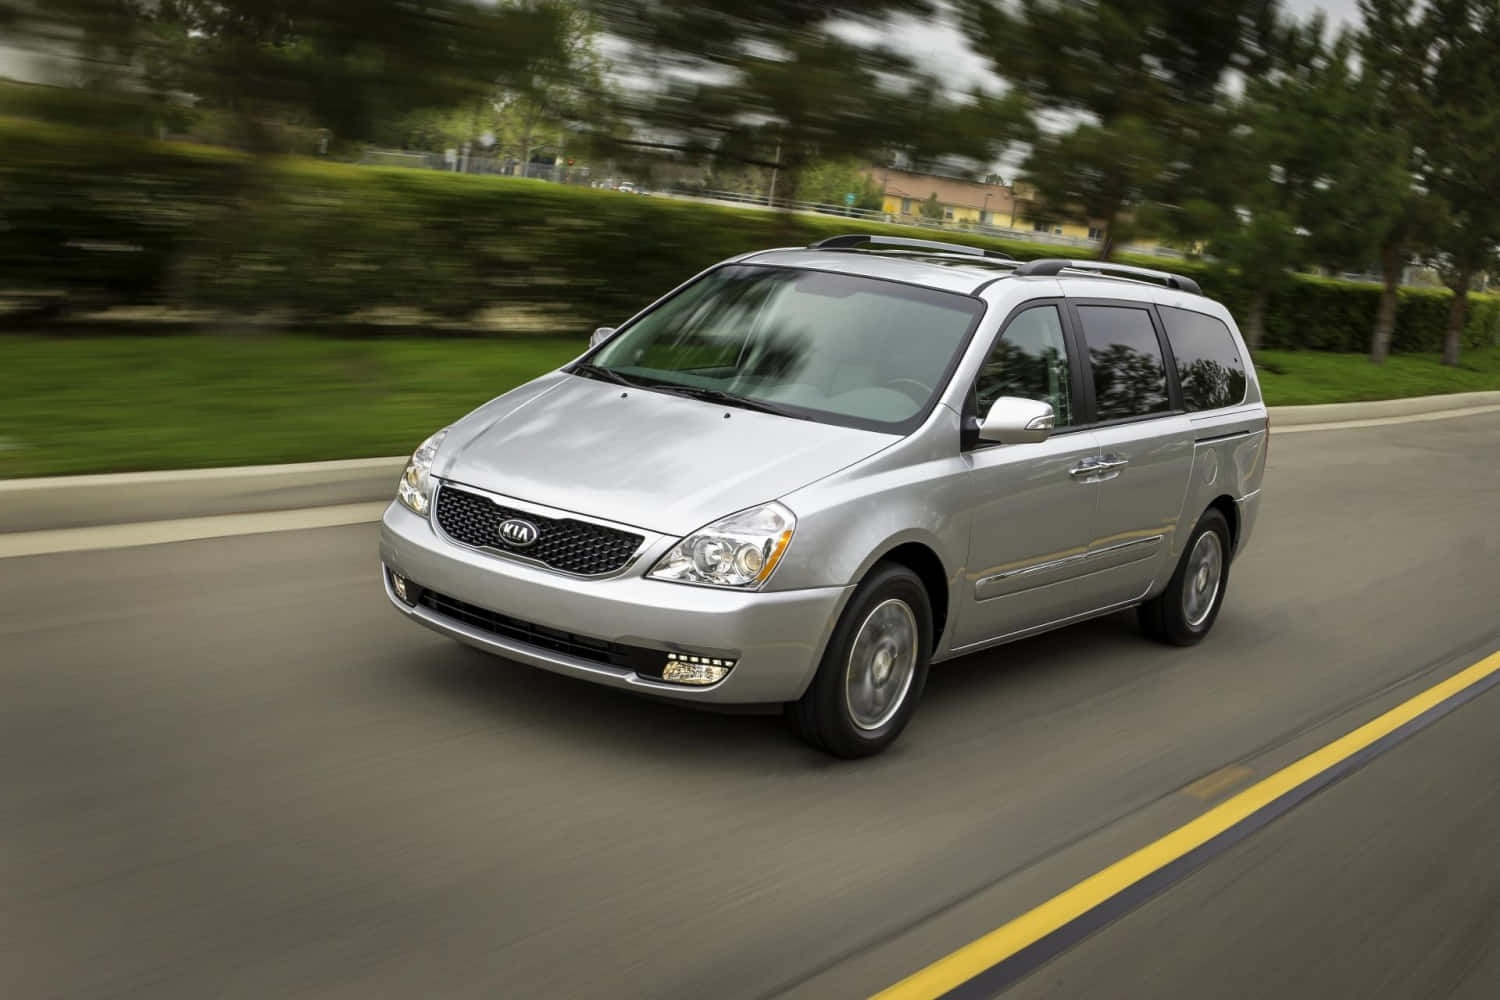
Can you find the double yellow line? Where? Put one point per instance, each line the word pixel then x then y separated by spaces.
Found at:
pixel 1006 942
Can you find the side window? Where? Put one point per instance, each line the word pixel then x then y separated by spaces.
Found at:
pixel 1209 365
pixel 1130 378
pixel 1029 360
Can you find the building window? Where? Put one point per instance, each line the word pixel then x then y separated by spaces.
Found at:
pixel 1057 230
pixel 1038 227
pixel 948 214
pixel 1095 233
pixel 905 206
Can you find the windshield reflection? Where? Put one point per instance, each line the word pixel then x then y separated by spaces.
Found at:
pixel 835 347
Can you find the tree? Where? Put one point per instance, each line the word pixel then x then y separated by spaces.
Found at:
pixel 931 209
pixel 556 86
pixel 781 84
pixel 345 65
pixel 828 181
pixel 1381 205
pixel 1137 77
pixel 1293 124
pixel 1460 142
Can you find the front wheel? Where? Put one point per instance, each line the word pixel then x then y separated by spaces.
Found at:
pixel 1183 613
pixel 873 670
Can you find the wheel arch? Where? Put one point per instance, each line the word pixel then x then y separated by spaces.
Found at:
pixel 923 560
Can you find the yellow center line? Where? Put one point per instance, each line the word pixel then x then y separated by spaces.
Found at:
pixel 967 962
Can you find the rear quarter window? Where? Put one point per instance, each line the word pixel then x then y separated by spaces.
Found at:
pixel 1209 366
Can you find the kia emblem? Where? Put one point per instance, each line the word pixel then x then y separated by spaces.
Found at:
pixel 518 533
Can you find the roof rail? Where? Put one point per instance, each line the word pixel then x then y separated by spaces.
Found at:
pixel 851 240
pixel 1052 266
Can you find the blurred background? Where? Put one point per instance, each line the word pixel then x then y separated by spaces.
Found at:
pixel 238 231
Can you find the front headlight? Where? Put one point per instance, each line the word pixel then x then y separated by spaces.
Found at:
pixel 740 550
pixel 415 489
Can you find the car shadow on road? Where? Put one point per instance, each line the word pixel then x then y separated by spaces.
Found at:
pixel 967 696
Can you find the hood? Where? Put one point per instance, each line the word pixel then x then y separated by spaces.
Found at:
pixel 665 463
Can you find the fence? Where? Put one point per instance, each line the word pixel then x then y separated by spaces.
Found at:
pixel 876 215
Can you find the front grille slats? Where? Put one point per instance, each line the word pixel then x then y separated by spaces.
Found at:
pixel 565 544
pixel 637 658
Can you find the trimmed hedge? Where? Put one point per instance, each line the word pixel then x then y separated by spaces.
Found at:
pixel 114 218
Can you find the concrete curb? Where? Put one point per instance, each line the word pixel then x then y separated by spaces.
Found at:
pixel 1380 409
pixel 130 497
pixel 87 501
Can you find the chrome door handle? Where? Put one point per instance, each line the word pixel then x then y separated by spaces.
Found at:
pixel 1109 462
pixel 1087 467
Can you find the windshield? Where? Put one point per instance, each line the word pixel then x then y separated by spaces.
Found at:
pixel 833 347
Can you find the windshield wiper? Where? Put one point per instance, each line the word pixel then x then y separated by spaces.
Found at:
pixel 726 398
pixel 603 374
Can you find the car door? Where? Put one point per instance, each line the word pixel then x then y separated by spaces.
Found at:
pixel 1032 504
pixel 1145 444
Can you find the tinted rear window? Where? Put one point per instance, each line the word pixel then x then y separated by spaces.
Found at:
pixel 1209 365
pixel 1130 377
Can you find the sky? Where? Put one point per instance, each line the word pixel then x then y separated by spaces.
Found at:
pixel 939 46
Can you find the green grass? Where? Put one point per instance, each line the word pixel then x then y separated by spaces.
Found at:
pixel 113 404
pixel 1290 378
pixel 75 405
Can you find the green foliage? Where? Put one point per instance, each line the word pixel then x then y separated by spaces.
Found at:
pixel 1143 75
pixel 931 209
pixel 828 181
pixel 345 65
pixel 788 82
pixel 1319 314
pixel 88 221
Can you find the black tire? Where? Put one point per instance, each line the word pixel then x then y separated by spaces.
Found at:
pixel 823 716
pixel 1164 617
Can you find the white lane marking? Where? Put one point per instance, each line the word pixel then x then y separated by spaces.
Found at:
pixel 1410 418
pixel 192 475
pixel 119 536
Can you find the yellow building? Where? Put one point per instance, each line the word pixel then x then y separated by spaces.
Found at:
pixel 966 204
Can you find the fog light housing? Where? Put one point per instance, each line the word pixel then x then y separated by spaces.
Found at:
pixel 684 668
pixel 405 591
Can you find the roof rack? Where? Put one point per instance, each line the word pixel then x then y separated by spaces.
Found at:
pixel 1053 266
pixel 851 240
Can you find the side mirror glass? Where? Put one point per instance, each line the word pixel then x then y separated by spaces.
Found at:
pixel 600 335
pixel 1013 420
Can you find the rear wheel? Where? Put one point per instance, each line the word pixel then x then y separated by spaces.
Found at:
pixel 873 670
pixel 1183 613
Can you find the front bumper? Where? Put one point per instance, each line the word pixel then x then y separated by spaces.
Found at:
pixel 776 637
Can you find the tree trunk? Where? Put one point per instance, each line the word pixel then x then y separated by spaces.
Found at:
pixel 1107 246
pixel 1385 316
pixel 1255 321
pixel 1453 340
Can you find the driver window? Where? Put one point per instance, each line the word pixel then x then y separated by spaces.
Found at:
pixel 1029 360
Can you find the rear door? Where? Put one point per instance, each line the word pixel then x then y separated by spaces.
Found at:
pixel 1145 446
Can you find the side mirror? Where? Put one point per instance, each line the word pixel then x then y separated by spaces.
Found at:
pixel 1013 420
pixel 600 335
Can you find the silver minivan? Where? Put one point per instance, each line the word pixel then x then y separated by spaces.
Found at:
pixel 807 474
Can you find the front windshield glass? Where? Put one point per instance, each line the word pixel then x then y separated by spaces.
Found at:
pixel 833 347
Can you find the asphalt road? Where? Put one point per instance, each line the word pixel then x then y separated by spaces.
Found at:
pixel 227 768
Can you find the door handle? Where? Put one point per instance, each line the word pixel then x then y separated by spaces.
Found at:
pixel 1098 470
pixel 1085 468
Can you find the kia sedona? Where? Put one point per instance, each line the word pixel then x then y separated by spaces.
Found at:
pixel 806 475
